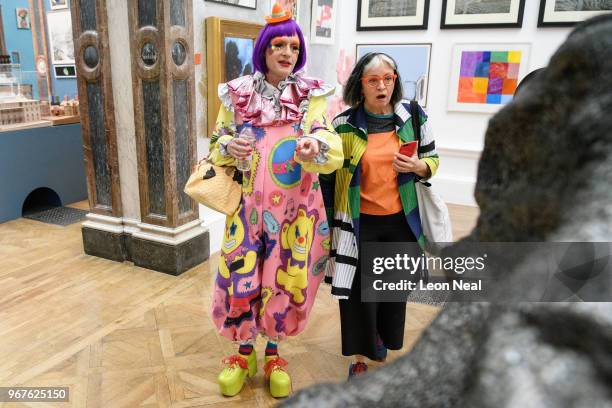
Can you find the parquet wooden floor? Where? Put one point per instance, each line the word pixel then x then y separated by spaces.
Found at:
pixel 123 336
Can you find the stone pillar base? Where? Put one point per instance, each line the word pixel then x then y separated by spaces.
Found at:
pixel 105 244
pixel 167 250
pixel 171 259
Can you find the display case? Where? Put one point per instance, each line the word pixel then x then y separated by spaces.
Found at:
pixel 19 102
pixel 21 105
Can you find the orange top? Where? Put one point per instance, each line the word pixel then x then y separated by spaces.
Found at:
pixel 378 186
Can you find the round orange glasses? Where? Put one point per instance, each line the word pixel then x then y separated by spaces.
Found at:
pixel 374 80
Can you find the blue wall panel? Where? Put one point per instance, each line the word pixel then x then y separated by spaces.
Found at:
pixel 19 40
pixel 42 157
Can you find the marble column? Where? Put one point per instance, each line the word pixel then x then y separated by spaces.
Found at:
pixel 103 233
pixel 148 53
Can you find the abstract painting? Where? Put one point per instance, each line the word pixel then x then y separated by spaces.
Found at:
pixel 485 76
pixel 413 66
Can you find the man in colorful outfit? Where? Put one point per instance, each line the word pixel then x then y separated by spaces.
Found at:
pixel 276 245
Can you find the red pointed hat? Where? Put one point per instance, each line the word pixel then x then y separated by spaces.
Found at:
pixel 278 14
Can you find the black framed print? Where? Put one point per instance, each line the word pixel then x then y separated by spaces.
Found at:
pixel 482 14
pixel 379 15
pixel 250 4
pixel 564 13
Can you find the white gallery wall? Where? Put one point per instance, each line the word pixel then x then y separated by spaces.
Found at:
pixel 459 135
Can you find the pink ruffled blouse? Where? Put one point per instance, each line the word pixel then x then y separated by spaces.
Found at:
pixel 255 101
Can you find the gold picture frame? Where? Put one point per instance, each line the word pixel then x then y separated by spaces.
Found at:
pixel 220 33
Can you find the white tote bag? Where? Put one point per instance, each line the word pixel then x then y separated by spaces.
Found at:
pixel 435 220
pixel 433 211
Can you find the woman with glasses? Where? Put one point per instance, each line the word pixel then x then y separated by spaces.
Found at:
pixel 372 199
pixel 276 245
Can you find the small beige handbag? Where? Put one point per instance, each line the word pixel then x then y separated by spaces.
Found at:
pixel 216 187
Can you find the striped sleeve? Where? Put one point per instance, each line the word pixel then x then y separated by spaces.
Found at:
pixel 427 149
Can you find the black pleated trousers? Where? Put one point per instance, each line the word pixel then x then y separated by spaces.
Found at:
pixel 361 321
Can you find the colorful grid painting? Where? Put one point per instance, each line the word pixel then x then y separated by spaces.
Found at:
pixel 488 77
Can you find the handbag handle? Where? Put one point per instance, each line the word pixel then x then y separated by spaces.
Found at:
pixel 414 115
pixel 416 127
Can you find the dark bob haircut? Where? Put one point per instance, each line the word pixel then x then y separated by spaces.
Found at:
pixel 353 90
pixel 286 28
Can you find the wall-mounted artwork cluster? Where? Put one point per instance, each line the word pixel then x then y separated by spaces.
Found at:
pixel 413 14
pixel 484 76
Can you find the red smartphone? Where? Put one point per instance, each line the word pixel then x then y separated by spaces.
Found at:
pixel 409 149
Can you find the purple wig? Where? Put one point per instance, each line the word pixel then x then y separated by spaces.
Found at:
pixel 286 28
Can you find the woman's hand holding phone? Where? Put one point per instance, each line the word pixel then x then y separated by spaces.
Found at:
pixel 407 161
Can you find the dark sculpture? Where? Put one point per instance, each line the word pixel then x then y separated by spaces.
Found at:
pixel 545 175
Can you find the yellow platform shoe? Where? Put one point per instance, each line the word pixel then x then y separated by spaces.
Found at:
pixel 280 382
pixel 238 367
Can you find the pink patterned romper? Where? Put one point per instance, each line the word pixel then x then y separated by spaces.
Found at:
pixel 275 247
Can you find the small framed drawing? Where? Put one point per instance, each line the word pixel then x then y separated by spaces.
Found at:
pixel 23 18
pixel 561 13
pixel 229 52
pixel 484 76
pixel 64 71
pixel 59 25
pixel 250 4
pixel 482 14
pixel 378 15
pixel 323 25
pixel 58 4
pixel 412 64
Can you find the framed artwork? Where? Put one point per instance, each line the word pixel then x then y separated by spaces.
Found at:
pixel 61 46
pixel 58 4
pixel 561 13
pixel 412 64
pixel 482 14
pixel 23 18
pixel 291 5
pixel 323 25
pixel 229 49
pixel 392 15
pixel 484 76
pixel 250 4
pixel 64 71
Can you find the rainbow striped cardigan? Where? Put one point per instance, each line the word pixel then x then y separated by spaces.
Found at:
pixel 341 191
